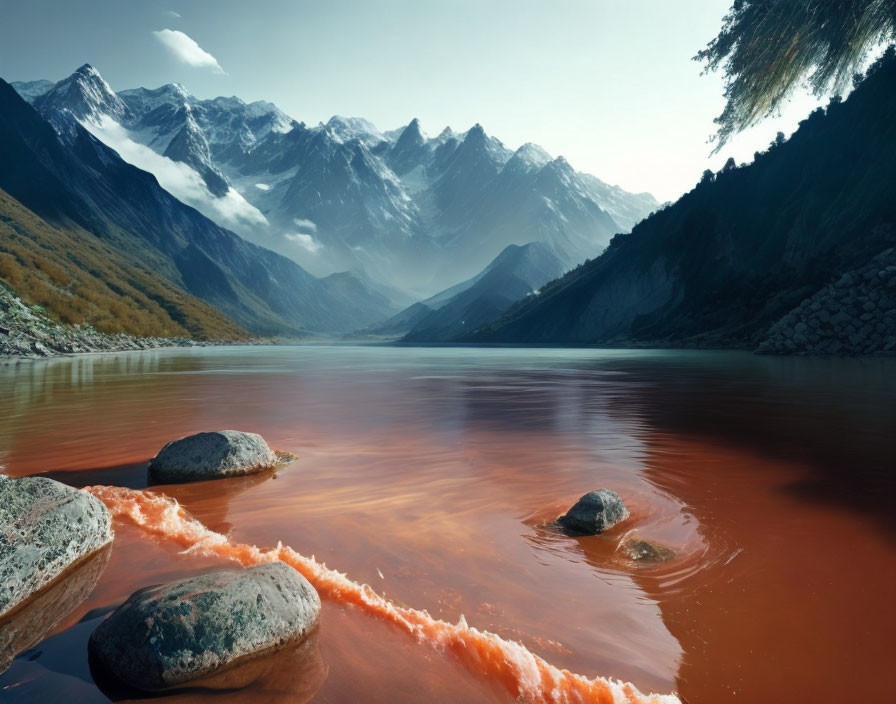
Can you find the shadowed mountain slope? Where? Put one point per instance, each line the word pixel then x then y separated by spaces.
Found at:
pixel 514 274
pixel 744 247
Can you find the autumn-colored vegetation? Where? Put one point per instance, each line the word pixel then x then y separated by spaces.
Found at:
pixel 78 279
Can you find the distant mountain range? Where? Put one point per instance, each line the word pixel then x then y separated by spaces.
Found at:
pixel 414 213
pixel 516 273
pixel 80 187
pixel 750 256
pixel 101 193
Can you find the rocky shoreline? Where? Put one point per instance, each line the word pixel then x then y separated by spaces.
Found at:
pixel 26 332
pixel 855 316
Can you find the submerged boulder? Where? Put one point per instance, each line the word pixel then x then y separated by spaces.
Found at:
pixel 45 528
pixel 224 453
pixel 594 513
pixel 173 634
pixel 647 552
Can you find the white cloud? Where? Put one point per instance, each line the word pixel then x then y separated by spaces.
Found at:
pixel 186 50
pixel 305 241
pixel 305 224
pixel 172 14
pixel 262 186
pixel 180 180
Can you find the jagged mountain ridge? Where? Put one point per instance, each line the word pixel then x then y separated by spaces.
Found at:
pixel 343 195
pixel 744 248
pixel 30 90
pixel 66 176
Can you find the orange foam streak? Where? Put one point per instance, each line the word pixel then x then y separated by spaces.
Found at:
pixel 523 674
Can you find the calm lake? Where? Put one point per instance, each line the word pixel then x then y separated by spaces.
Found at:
pixel 433 475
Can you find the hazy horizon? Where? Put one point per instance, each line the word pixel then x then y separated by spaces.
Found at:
pixel 613 89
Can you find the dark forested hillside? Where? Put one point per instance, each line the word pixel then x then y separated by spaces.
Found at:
pixel 745 246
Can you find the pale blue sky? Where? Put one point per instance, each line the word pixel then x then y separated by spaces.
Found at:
pixel 608 84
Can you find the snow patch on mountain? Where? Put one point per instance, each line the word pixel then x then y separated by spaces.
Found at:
pixel 305 241
pixel 179 179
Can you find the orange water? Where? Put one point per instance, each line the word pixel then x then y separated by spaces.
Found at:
pixel 432 475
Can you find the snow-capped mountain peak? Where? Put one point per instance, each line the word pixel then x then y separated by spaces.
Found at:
pixel 530 156
pixel 85 95
pixel 413 131
pixel 88 72
pixel 144 100
pixel 475 134
pixel 263 110
pixel 410 150
pixel 348 128
pixel 402 206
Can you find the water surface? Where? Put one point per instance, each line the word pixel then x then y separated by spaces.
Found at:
pixel 433 474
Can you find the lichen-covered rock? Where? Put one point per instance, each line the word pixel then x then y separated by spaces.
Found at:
pixel 45 527
pixel 225 453
pixel 169 635
pixel 594 513
pixel 27 626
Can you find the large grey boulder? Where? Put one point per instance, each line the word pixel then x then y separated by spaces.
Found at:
pixel 45 528
pixel 169 635
pixel 594 513
pixel 224 453
pixel 27 626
